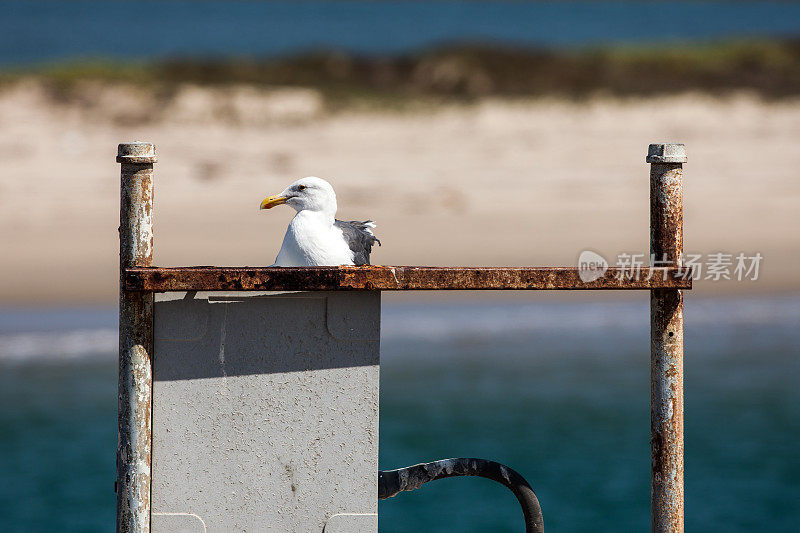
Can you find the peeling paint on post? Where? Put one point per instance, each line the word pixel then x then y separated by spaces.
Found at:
pixel 135 340
pixel 666 340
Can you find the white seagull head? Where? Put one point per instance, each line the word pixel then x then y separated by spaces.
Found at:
pixel 306 194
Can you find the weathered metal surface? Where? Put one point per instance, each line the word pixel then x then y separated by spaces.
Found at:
pixel 265 412
pixel 135 341
pixel 666 153
pixel 395 278
pixel 666 336
pixel 137 153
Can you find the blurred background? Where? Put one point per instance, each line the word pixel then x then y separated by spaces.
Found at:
pixel 474 133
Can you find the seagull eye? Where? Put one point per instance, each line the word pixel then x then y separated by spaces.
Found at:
pixel 301 187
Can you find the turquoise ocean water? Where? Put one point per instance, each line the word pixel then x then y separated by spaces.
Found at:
pixel 558 391
pixel 49 30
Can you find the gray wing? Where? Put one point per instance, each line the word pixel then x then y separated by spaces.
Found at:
pixel 359 237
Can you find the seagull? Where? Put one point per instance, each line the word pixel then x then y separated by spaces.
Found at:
pixel 314 236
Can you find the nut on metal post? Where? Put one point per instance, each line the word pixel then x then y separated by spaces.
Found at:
pixel 666 153
pixel 666 341
pixel 134 401
pixel 137 153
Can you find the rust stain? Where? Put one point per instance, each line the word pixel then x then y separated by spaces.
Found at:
pixel 386 278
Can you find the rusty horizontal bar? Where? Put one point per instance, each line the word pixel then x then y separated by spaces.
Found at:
pixel 397 278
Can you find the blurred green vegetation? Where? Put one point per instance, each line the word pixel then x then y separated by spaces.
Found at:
pixel 770 68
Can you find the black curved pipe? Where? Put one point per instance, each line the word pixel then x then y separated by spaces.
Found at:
pixel 392 482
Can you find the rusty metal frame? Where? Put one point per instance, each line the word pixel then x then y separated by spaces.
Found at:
pixel 139 280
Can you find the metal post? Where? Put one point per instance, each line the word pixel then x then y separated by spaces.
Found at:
pixel 135 340
pixel 666 340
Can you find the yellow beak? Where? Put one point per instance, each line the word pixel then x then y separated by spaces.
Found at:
pixel 272 201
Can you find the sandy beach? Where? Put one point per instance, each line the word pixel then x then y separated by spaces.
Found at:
pixel 496 182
